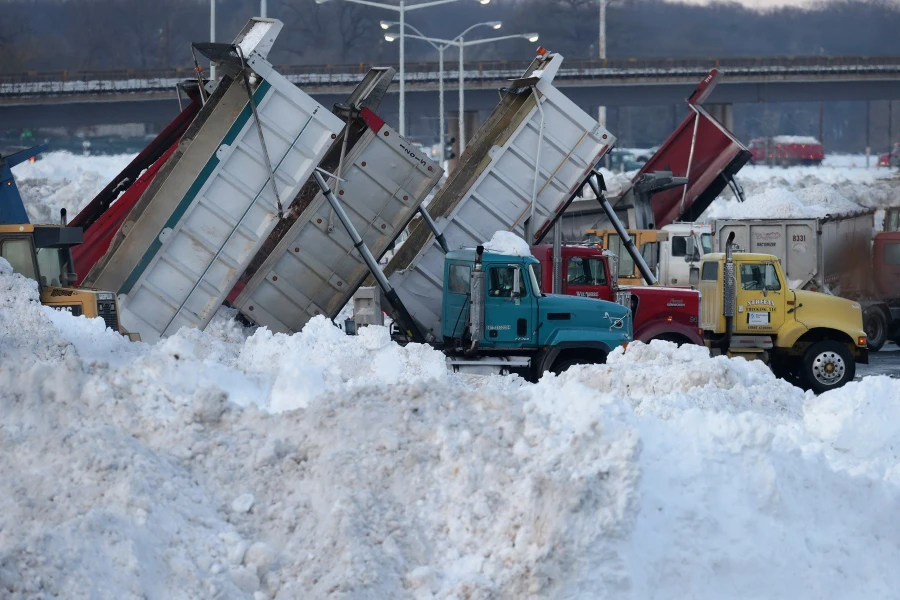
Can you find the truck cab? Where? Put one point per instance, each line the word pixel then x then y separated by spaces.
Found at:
pixel 42 253
pixel 659 313
pixel 749 310
pixel 493 304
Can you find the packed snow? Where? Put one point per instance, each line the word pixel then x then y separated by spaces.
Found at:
pixel 796 139
pixel 508 243
pixel 807 192
pixel 254 37
pixel 237 463
pixel 64 180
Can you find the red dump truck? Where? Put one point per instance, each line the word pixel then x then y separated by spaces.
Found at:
pixel 787 151
pixel 660 313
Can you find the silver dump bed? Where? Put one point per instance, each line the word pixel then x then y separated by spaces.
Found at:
pixel 496 180
pixel 816 254
pixel 199 224
pixel 315 268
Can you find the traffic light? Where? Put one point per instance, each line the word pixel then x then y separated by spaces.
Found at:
pixel 449 154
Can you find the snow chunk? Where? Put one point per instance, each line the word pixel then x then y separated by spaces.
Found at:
pixel 254 37
pixel 507 243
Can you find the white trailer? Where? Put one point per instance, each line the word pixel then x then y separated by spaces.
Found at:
pixel 519 173
pixel 197 227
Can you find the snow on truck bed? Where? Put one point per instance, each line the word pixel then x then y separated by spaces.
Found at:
pixel 239 464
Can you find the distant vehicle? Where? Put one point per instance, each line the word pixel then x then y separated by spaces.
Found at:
pixel 786 151
pixel 621 160
pixel 890 159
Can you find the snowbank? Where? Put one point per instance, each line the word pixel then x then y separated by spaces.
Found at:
pixel 508 243
pixel 806 192
pixel 240 464
pixel 64 180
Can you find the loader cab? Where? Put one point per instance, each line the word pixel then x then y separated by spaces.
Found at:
pixel 648 242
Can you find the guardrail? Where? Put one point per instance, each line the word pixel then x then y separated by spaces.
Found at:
pixel 126 81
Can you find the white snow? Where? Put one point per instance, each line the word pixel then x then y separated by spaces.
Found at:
pixel 508 243
pixel 254 37
pixel 64 180
pixel 233 463
pixel 807 192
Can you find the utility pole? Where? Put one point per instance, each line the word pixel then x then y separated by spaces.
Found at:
pixel 263 5
pixel 601 54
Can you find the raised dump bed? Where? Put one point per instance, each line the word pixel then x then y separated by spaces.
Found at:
pixel 528 159
pixel 315 268
pixel 212 205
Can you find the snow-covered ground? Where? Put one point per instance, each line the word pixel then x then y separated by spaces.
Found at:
pixel 217 465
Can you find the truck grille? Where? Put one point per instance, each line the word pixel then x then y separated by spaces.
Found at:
pixel 107 311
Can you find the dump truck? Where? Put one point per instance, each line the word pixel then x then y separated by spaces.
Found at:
pixel 749 310
pixel 494 317
pixel 787 151
pixel 43 253
pixel 658 313
pixel 200 222
pixel 673 253
pixel 838 254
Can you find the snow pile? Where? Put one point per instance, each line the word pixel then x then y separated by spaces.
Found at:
pixel 64 180
pixel 254 37
pixel 861 426
pixel 508 243
pixel 806 192
pixel 237 464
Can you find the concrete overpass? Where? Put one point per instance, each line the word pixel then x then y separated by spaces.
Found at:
pixel 69 98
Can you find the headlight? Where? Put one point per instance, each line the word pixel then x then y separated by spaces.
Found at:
pixel 105 296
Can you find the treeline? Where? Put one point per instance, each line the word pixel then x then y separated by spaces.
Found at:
pixel 99 34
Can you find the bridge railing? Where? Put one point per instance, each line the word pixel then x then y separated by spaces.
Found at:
pixel 121 81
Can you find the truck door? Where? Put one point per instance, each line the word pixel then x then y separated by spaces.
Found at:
pixel 509 319
pixel 760 298
pixel 587 277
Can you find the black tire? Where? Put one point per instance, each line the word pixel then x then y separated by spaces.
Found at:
pixel 827 365
pixel 561 366
pixel 876 327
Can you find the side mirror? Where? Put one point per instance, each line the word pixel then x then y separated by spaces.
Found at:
pixel 694 277
pixel 516 283
pixel 691 248
pixel 69 279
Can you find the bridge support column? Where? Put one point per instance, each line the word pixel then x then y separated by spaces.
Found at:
pixel 723 113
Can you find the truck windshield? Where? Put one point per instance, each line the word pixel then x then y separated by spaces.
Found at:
pixel 51 265
pixel 18 253
pixel 892 254
pixel 586 271
pixel 759 277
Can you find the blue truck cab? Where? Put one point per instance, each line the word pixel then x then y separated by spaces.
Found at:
pixel 493 305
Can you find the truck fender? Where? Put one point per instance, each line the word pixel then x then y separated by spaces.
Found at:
pixel 658 329
pixel 553 352
pixel 789 333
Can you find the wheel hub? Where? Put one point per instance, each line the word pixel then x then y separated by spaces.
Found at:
pixel 829 368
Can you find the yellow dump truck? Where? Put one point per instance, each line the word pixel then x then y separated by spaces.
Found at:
pixel 812 339
pixel 43 253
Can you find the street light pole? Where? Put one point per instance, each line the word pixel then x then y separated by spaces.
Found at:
pixel 601 54
pixel 212 35
pixel 262 8
pixel 462 98
pixel 401 9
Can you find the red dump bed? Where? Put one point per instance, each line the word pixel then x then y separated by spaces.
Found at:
pixel 701 149
pixel 106 213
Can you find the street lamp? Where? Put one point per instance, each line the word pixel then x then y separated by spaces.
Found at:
pixel 402 10
pixel 460 43
pixel 601 50
pixel 440 48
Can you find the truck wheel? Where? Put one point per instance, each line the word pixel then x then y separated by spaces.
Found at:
pixel 828 365
pixel 876 329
